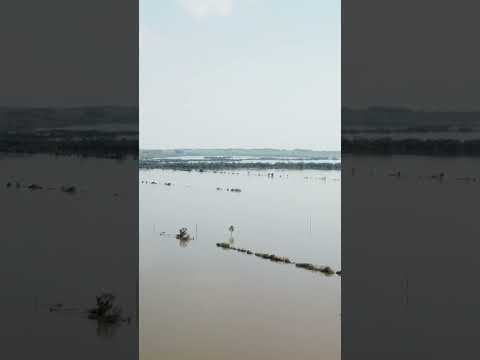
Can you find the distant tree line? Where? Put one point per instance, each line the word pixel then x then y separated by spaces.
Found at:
pixel 389 146
pixel 414 129
pixel 218 165
pixel 105 146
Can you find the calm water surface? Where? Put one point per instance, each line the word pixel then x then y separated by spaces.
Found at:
pixel 410 257
pixel 201 302
pixel 62 248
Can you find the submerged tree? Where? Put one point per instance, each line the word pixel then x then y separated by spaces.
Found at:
pixel 106 311
pixel 183 234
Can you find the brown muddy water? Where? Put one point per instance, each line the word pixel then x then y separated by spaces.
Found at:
pixel 198 301
pixel 67 248
pixel 410 254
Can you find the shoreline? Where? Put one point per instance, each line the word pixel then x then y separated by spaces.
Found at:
pixel 218 166
pixel 79 143
pixel 389 146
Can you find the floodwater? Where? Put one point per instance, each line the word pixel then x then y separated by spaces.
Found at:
pixel 67 248
pixel 410 254
pixel 198 301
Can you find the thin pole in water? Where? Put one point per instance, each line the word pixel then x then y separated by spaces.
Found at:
pixel 138 307
pixel 196 231
pixel 406 290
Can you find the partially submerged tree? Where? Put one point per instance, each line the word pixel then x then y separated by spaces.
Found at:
pixel 183 234
pixel 106 311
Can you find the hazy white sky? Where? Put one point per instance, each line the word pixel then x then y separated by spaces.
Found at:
pixel 240 73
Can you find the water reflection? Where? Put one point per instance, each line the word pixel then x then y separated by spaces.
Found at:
pixel 107 315
pixel 106 330
pixel 417 306
pixel 183 237
pixel 183 242
pixel 271 217
pixel 83 252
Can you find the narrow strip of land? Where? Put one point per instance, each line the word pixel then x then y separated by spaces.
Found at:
pixel 326 270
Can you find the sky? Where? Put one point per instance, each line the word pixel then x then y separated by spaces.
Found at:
pixel 61 53
pixel 240 73
pixel 410 53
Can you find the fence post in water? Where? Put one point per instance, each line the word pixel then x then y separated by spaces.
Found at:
pixel 138 324
pixel 406 291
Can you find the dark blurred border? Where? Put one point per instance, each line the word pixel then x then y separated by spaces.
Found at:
pixel 69 179
pixel 410 177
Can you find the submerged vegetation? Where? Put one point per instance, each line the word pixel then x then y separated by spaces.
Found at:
pixel 228 165
pixel 326 270
pixel 106 313
pixel 67 189
pixel 389 146
pixel 83 143
pixel 105 310
pixel 227 159
pixel 183 235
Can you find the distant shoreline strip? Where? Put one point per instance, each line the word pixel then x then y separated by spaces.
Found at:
pixel 218 165
pixel 389 146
